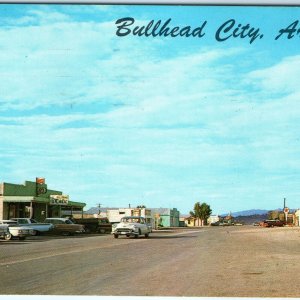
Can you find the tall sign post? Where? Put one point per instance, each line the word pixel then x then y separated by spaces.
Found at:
pixel 286 211
pixel 41 186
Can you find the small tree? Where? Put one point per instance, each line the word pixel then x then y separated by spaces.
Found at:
pixel 141 206
pixel 201 213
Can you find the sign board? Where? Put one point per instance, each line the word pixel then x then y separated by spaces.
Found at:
pixel 40 180
pixel 41 189
pixel 59 199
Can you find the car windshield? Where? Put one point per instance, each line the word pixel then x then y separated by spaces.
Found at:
pixel 132 220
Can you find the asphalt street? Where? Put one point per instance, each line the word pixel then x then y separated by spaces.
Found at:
pixel 227 262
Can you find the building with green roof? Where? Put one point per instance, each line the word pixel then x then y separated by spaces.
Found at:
pixel 35 200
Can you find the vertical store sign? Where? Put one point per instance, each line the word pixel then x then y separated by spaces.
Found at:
pixel 41 187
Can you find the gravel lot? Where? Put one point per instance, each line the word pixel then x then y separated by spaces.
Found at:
pixel 241 261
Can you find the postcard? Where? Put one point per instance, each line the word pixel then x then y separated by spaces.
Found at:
pixel 149 150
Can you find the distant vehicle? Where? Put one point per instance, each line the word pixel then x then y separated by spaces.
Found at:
pixel 65 226
pixel 271 223
pixel 225 224
pixel 15 230
pixel 131 226
pixel 238 224
pixel 98 225
pixel 215 223
pixel 36 226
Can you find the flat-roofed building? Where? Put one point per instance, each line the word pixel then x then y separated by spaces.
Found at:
pixel 34 200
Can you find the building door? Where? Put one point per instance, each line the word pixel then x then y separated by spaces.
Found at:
pixel 12 211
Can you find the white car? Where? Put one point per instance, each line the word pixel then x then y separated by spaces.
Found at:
pixel 131 226
pixel 16 231
pixel 36 226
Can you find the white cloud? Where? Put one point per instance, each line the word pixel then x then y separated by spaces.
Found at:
pixel 281 78
pixel 190 125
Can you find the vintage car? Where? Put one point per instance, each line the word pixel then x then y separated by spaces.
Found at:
pixel 65 226
pixel 271 223
pixel 16 231
pixel 131 226
pixel 4 232
pixel 36 226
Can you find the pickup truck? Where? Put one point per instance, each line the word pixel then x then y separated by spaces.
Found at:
pixel 97 225
pixel 271 223
pixel 38 228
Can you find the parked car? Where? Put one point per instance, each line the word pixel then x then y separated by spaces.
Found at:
pixel 131 226
pixel 36 226
pixel 271 223
pixel 65 226
pixel 4 232
pixel 16 231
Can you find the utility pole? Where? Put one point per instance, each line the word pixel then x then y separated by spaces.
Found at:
pixel 99 209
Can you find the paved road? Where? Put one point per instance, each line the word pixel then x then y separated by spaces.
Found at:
pixel 203 262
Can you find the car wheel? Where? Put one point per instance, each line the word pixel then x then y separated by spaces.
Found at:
pixel 102 230
pixel 116 236
pixel 8 237
pixel 35 232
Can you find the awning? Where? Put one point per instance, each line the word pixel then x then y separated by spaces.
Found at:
pixel 24 199
pixel 18 199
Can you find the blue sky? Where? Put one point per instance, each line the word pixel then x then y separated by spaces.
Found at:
pixel 163 122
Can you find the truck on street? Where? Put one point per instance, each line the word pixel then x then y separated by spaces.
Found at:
pixel 95 225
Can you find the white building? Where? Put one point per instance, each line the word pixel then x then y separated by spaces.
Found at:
pixel 213 219
pixel 297 215
pixel 115 215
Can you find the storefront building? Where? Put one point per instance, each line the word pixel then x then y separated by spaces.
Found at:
pixel 35 200
pixel 166 217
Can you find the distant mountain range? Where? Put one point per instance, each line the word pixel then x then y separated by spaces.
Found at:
pixel 254 212
pixel 250 212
